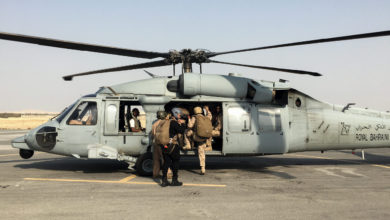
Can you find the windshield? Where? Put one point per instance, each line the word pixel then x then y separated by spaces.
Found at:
pixel 64 112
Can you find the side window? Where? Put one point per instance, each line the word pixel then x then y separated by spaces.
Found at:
pixel 239 119
pixel 269 119
pixel 111 114
pixel 84 114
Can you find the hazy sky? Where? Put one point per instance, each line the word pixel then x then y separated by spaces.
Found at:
pixel 354 71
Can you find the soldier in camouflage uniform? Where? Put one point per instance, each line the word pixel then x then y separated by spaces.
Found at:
pixel 201 143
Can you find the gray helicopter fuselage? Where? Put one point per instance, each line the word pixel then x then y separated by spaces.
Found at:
pixel 259 118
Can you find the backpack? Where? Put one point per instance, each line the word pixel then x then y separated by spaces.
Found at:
pixel 203 126
pixel 162 132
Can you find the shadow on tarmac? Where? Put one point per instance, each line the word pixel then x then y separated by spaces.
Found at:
pixel 191 164
pixel 72 164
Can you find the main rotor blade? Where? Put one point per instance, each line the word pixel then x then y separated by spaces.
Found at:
pixel 121 68
pixel 269 68
pixel 324 40
pixel 81 46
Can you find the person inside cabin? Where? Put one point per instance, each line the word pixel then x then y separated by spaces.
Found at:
pixel 135 124
pixel 217 122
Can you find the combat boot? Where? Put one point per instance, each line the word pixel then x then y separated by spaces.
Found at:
pixel 202 171
pixel 176 182
pixel 164 182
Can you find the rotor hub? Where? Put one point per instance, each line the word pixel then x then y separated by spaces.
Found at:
pixel 187 56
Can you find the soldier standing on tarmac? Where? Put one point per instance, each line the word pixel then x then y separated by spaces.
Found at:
pixel 171 151
pixel 157 154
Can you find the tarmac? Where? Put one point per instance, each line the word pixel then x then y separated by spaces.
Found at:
pixel 306 185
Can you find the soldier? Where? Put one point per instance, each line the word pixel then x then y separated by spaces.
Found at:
pixel 135 124
pixel 184 115
pixel 217 122
pixel 166 136
pixel 201 133
pixel 157 154
pixel 210 140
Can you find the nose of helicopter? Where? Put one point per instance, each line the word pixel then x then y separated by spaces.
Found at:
pixel 20 143
pixel 41 138
pixel 25 151
pixel 26 142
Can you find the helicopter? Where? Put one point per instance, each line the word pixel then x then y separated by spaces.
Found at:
pixel 259 117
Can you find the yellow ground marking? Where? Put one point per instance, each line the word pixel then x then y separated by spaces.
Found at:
pixel 349 161
pixel 127 178
pixel 120 182
pixel 383 166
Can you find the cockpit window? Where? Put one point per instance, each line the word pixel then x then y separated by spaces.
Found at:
pixel 84 114
pixel 64 113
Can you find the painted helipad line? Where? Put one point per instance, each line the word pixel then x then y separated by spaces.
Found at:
pixel 349 161
pixel 127 178
pixel 122 181
pixel 383 166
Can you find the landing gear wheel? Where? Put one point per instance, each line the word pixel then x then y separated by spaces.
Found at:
pixel 144 164
pixel 26 154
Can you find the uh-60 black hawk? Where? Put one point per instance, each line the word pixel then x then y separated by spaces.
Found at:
pixel 259 117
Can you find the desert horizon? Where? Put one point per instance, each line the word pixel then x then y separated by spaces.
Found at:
pixel 23 120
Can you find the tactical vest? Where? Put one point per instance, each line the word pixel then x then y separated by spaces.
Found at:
pixel 137 124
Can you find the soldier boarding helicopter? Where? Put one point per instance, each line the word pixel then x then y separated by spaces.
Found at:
pixel 259 117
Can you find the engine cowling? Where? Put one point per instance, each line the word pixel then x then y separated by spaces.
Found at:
pixel 224 86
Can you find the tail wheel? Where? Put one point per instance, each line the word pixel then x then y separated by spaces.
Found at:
pixel 144 164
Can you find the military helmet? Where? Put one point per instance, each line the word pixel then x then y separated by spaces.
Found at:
pixel 161 114
pixel 198 110
pixel 176 112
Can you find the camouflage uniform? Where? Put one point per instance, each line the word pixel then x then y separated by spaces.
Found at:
pixel 201 145
pixel 217 125
pixel 157 154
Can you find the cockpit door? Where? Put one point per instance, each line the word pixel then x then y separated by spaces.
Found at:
pixel 80 129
